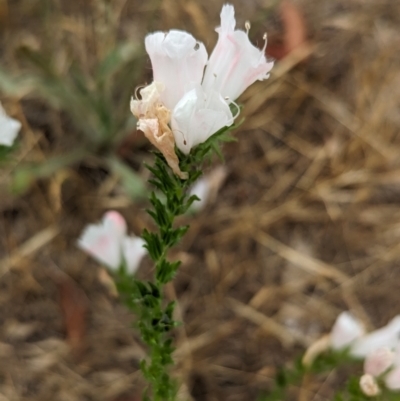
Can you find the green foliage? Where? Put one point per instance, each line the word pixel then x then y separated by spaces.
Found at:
pixel 155 317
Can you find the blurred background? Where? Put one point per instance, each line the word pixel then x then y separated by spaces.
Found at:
pixel 306 223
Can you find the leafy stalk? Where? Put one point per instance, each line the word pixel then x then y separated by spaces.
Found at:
pixel 169 199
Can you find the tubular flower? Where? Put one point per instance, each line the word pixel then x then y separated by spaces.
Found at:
pixel 9 128
pixel 193 105
pixel 197 116
pixel 235 63
pixel 108 243
pixel 178 62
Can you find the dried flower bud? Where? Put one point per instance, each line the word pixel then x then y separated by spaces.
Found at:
pixel 369 386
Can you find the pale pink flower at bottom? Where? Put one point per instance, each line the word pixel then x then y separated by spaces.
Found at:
pixel 108 243
pixel 102 241
pixel 345 331
pixel 9 128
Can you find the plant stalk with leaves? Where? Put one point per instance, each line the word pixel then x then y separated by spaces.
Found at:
pixel 154 316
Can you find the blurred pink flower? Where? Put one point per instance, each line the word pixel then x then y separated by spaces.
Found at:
pixel 108 243
pixel 9 128
pixel 345 331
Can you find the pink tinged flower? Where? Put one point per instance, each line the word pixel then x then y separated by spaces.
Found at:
pixel 378 361
pixel 108 243
pixel 388 336
pixel 345 331
pixel 197 116
pixel 235 63
pixel 178 62
pixel 369 386
pixel 9 128
pixel 102 241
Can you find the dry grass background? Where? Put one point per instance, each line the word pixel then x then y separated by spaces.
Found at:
pixel 306 225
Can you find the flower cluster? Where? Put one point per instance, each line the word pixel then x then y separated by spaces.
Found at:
pixel 9 128
pixel 190 97
pixel 380 350
pixel 108 243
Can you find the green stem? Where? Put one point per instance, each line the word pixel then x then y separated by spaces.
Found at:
pixel 155 317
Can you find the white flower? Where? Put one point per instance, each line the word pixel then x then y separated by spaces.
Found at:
pixel 345 331
pixel 178 62
pixel 369 386
pixel 198 106
pixel 235 63
pixel 378 361
pixel 9 128
pixel 197 116
pixel 108 243
pixel 387 336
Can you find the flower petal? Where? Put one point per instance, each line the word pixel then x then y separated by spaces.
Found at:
pixel 234 63
pixel 378 361
pixel 133 251
pixel 150 97
pixel 9 128
pixel 162 140
pixel 197 116
pixel 103 241
pixel 387 336
pixel 345 330
pixel 178 62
